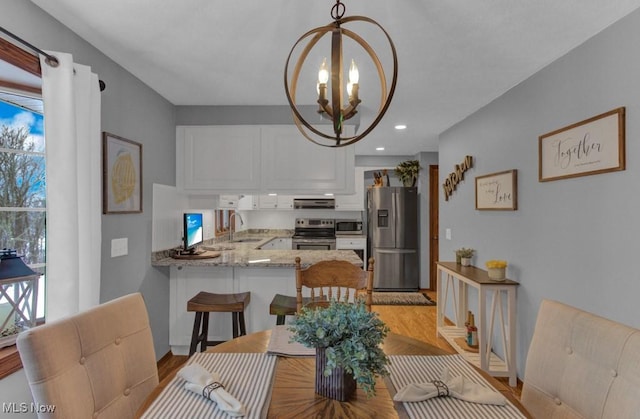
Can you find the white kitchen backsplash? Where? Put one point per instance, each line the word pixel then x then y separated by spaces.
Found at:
pixel 285 219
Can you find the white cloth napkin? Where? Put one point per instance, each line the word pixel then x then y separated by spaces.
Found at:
pixel 457 387
pixel 198 378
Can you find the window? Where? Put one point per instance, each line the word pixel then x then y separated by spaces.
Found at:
pixel 20 82
pixel 222 226
pixel 22 183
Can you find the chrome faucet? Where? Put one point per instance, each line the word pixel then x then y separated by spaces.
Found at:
pixel 232 228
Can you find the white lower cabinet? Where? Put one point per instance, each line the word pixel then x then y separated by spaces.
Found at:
pixel 187 281
pixel 280 243
pixel 359 244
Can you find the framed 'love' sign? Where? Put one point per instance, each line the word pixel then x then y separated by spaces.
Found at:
pixel 497 191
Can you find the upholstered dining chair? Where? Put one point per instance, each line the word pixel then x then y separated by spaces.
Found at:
pixel 96 364
pixel 333 279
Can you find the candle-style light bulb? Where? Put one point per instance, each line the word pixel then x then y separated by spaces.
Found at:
pixel 323 73
pixel 354 75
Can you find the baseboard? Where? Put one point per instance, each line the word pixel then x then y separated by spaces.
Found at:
pixel 164 360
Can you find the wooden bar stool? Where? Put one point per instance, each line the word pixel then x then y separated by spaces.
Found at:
pixel 281 306
pixel 205 303
pixel 284 305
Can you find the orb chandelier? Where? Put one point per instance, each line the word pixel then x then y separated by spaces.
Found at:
pixel 331 96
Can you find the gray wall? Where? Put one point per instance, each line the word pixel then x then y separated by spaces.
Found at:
pixel 573 240
pixel 132 110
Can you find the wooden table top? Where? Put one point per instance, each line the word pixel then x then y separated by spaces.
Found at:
pixel 293 393
pixel 475 274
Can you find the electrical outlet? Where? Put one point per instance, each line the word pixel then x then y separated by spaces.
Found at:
pixel 447 233
pixel 119 247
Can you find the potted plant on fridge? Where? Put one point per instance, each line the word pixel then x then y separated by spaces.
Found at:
pixel 407 172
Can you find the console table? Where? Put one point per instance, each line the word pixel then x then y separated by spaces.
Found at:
pixel 454 281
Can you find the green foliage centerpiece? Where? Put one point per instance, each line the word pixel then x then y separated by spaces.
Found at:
pixel 347 339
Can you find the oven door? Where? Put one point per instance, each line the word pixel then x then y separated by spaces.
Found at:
pixel 313 244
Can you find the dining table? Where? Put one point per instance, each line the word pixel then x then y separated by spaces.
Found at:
pixel 293 387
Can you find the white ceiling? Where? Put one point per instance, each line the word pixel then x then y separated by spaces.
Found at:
pixel 454 56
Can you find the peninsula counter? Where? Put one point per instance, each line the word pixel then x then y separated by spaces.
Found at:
pixel 240 267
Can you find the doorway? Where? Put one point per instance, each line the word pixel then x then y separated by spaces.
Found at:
pixel 433 226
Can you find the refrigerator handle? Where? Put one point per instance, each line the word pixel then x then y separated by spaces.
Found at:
pixel 394 251
pixel 396 222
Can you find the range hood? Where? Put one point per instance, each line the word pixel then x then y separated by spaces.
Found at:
pixel 314 203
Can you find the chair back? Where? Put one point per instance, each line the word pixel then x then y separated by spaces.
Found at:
pixel 581 365
pixel 96 364
pixel 333 279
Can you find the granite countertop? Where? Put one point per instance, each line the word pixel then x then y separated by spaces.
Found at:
pixel 248 254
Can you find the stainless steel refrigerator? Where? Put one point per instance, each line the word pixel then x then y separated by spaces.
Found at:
pixel 393 238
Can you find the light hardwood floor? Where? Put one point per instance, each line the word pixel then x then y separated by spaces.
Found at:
pixel 418 322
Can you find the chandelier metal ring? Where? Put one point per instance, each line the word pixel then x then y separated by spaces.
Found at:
pixel 317 34
pixel 338 10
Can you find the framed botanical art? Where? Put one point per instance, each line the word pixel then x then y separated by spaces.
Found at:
pixel 595 145
pixel 497 191
pixel 121 175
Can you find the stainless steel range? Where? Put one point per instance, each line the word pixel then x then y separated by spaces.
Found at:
pixel 314 234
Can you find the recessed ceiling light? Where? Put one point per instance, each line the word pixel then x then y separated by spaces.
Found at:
pixel 400 126
pixel 272 194
pixel 328 194
pixel 379 148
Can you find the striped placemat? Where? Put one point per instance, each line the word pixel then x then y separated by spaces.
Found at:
pixel 246 376
pixel 407 369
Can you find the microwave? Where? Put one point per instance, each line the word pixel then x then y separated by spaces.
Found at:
pixel 348 227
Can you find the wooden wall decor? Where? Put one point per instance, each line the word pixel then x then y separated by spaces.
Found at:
pixel 595 145
pixel 497 191
pixel 121 175
pixel 451 182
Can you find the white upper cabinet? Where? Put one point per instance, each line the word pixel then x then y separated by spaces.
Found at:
pixel 247 202
pixel 291 163
pixel 267 201
pixel 355 201
pixel 259 159
pixel 221 158
pixel 228 201
pixel 275 202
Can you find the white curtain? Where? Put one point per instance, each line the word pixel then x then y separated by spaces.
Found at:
pixel 71 97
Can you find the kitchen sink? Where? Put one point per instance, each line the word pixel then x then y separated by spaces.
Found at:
pixel 245 240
